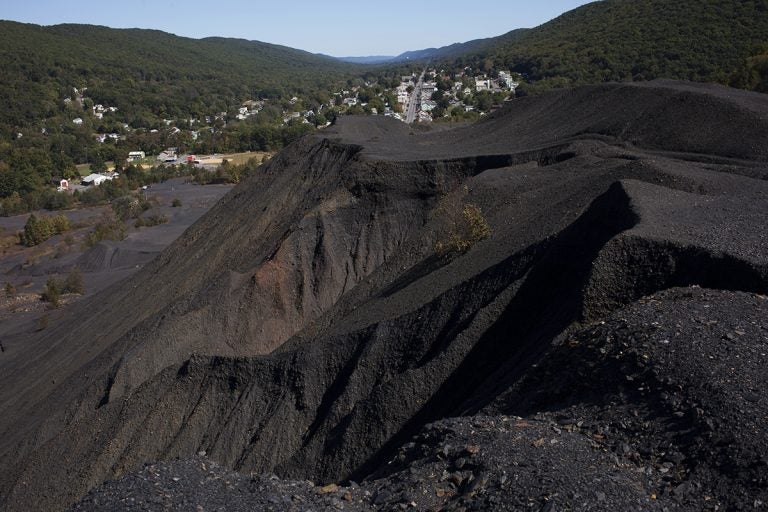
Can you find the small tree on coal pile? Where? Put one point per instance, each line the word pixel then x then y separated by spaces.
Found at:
pixel 52 292
pixel 466 230
pixel 129 207
pixel 74 282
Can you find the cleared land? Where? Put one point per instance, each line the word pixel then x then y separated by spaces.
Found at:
pixel 27 269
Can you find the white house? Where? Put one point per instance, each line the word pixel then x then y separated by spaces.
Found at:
pixel 135 156
pixel 78 121
pixel 505 77
pixel 482 84
pixel 95 179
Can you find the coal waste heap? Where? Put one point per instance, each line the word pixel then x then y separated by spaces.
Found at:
pixel 560 307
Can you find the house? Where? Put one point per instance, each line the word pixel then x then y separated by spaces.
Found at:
pixel 428 105
pixel 505 79
pixel 63 186
pixel 424 117
pixel 167 157
pixel 482 84
pixel 78 121
pixel 135 156
pixel 95 179
pixel 428 89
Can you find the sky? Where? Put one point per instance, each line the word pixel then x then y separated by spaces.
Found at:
pixel 334 27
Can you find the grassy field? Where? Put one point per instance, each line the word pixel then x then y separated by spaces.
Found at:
pixel 237 158
pixel 233 158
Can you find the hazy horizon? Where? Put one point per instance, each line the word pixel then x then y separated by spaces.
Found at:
pixel 340 28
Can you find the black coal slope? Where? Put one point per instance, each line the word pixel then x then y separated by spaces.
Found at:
pixel 314 322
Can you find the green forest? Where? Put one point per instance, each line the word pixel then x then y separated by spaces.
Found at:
pixel 148 75
pixel 721 41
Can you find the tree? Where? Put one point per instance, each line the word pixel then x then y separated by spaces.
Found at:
pixel 35 231
pixel 52 292
pixel 74 282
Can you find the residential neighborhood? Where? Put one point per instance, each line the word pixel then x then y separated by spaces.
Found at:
pixel 99 136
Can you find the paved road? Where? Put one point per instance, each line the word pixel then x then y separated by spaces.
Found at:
pixel 415 100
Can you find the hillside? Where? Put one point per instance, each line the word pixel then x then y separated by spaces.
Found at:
pixel 145 73
pixel 491 317
pixel 620 40
pixel 477 46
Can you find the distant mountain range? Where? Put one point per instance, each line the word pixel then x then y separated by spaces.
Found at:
pixel 373 59
pixel 444 52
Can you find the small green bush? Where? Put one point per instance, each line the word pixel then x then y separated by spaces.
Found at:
pixel 56 287
pixel 129 207
pixel 74 282
pixel 107 230
pixel 152 220
pixel 176 203
pixel 39 229
pixel 466 231
pixel 52 292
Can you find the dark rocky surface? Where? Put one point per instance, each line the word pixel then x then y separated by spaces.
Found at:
pixel 602 349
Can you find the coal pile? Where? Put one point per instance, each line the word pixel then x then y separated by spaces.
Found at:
pixel 561 307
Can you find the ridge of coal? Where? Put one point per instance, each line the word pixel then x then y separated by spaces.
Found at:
pixel 310 325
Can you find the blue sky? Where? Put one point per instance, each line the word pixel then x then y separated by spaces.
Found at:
pixel 334 27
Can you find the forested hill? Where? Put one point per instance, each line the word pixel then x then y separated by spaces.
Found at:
pixel 477 46
pixel 146 73
pixel 617 40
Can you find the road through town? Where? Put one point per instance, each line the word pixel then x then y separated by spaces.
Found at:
pixel 415 100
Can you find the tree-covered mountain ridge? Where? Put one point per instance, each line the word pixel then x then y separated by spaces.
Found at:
pixel 722 41
pixel 147 72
